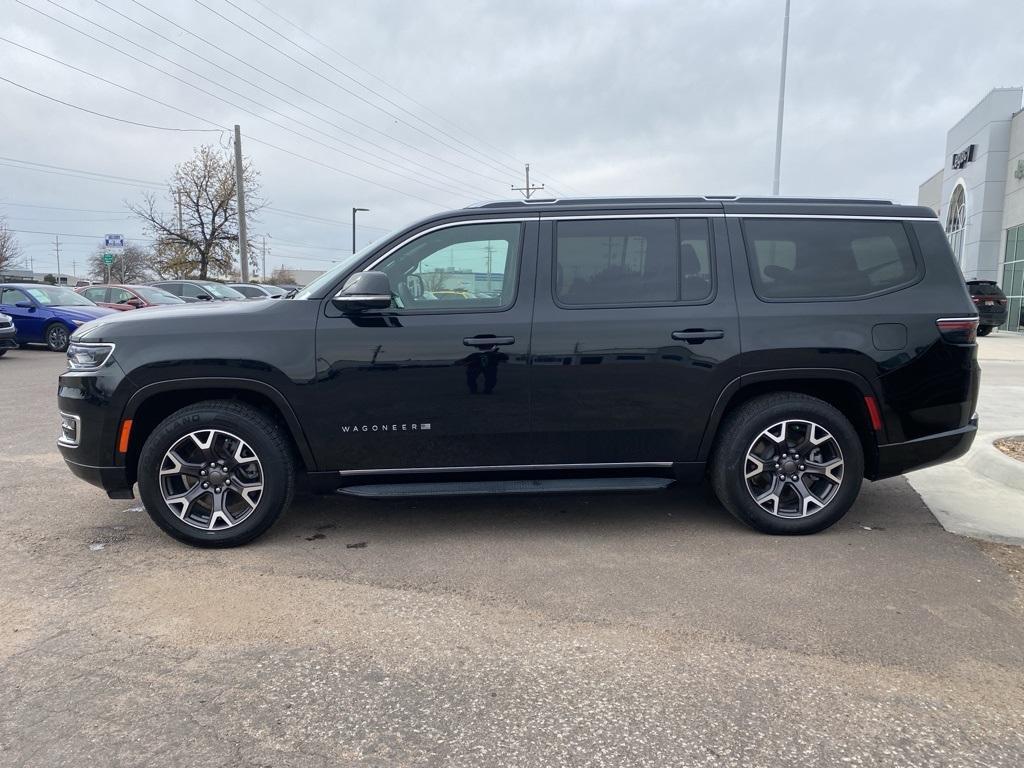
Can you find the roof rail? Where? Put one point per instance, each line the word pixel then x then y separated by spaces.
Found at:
pixel 669 200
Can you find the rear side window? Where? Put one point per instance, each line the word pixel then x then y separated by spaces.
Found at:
pixel 827 258
pixel 607 262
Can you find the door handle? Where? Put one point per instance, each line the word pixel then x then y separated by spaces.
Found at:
pixel 697 335
pixel 488 341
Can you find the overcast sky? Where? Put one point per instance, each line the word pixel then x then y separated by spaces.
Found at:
pixel 602 98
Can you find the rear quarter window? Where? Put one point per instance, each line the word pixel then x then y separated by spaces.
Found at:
pixel 828 258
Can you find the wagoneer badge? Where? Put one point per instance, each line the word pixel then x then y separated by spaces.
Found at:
pixel 385 427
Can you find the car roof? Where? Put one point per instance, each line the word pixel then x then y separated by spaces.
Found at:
pixel 839 206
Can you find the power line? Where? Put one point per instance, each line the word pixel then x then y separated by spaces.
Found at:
pixel 314 99
pixel 212 122
pixel 45 168
pixel 337 85
pixel 106 116
pixel 358 82
pixel 394 88
pixel 222 70
pixel 106 45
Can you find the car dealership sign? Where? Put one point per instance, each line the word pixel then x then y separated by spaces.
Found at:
pixel 963 157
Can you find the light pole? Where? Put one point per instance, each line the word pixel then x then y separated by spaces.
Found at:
pixel 354 211
pixel 782 101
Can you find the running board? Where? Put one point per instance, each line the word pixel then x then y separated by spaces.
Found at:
pixel 488 487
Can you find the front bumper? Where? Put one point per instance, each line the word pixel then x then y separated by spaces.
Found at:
pixel 897 458
pixel 113 480
pixel 8 338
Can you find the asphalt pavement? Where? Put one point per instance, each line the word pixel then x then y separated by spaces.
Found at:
pixel 617 630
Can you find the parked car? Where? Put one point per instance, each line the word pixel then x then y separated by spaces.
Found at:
pixel 47 314
pixel 7 334
pixel 990 301
pixel 785 348
pixel 259 290
pixel 124 297
pixel 199 290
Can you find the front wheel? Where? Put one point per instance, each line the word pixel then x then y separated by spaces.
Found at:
pixel 57 338
pixel 216 474
pixel 985 330
pixel 787 463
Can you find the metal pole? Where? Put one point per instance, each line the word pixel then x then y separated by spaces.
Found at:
pixel 243 254
pixel 367 210
pixel 264 272
pixel 782 102
pixel 56 242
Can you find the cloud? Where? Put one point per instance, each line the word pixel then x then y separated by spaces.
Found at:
pixel 602 98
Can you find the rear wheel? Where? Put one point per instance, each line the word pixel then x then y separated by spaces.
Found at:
pixel 985 330
pixel 3 352
pixel 216 474
pixel 57 337
pixel 787 463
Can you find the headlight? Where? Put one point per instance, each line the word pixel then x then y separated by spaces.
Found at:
pixel 88 357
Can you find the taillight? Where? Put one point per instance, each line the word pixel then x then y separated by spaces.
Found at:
pixel 958 330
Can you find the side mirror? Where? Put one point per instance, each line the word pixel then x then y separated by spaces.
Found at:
pixel 364 290
pixel 25 305
pixel 134 303
pixel 204 297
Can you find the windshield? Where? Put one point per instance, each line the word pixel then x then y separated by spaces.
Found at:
pixel 55 296
pixel 223 291
pixel 328 278
pixel 158 296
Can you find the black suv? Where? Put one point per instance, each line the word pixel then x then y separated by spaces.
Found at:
pixel 990 301
pixel 786 348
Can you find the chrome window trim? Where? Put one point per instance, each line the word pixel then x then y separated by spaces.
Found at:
pixel 709 215
pixel 506 467
pixel 825 216
pixel 446 225
pixel 78 430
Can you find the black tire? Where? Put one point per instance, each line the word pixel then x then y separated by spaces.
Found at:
pixel 738 434
pixel 57 337
pixel 985 330
pixel 263 437
pixel 3 352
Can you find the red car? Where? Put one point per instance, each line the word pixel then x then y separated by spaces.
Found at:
pixel 124 297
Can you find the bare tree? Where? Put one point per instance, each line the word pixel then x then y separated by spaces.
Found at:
pixel 10 251
pixel 132 265
pixel 196 226
pixel 282 275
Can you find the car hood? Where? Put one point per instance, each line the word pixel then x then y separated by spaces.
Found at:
pixel 172 318
pixel 82 313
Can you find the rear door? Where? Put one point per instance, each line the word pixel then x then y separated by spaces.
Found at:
pixel 635 335
pixel 439 379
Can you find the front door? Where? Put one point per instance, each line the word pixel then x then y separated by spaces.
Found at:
pixel 635 335
pixel 28 321
pixel 441 378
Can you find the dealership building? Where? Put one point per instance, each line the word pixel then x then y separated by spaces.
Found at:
pixel 979 195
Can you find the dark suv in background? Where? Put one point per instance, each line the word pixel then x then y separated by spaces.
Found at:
pixel 199 290
pixel 784 348
pixel 990 301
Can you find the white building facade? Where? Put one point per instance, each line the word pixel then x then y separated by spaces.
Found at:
pixel 979 194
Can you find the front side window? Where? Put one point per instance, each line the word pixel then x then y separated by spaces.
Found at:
pixel 119 296
pixel 827 258
pixel 191 290
pixel 607 262
pixel 95 294
pixel 12 296
pixel 474 266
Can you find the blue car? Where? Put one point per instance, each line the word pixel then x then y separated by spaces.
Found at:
pixel 47 314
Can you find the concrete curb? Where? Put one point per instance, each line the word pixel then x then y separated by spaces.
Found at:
pixel 988 461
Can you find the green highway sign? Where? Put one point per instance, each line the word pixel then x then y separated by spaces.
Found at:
pixel 108 258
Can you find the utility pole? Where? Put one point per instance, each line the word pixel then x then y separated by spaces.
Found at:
pixel 243 253
pixel 74 269
pixel 264 270
pixel 354 210
pixel 56 243
pixel 782 101
pixel 181 228
pixel 527 190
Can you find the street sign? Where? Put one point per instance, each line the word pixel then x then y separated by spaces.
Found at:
pixel 113 241
pixel 108 258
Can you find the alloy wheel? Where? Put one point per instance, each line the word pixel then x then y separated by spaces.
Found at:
pixel 794 468
pixel 211 479
pixel 57 337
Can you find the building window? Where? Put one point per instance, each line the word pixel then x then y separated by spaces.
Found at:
pixel 956 222
pixel 1013 278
